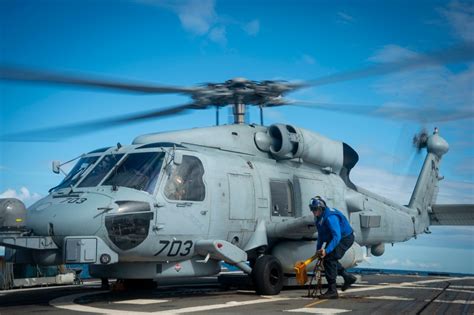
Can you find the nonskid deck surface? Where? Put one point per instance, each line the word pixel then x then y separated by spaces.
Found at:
pixel 374 294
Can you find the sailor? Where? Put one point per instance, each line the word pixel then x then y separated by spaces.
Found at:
pixel 336 232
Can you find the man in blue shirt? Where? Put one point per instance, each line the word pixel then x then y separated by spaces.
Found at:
pixel 336 232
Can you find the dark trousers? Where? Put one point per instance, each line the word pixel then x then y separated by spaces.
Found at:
pixel 332 267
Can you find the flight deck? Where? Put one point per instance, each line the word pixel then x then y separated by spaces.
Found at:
pixel 373 294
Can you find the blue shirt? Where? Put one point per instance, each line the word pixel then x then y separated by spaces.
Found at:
pixel 332 226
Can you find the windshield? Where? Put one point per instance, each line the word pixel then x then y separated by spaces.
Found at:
pixel 100 170
pixel 138 171
pixel 77 171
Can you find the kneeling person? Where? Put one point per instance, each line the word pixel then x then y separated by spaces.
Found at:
pixel 334 230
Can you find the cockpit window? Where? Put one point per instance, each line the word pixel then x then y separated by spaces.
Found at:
pixel 185 181
pixel 100 170
pixel 138 171
pixel 77 171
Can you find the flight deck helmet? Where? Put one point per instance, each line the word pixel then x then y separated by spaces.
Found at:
pixel 317 203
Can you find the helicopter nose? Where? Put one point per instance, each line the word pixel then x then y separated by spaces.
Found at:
pixel 70 215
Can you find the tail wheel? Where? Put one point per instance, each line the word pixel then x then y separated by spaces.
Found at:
pixel 267 275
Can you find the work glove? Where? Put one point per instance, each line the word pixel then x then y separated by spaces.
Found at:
pixel 321 253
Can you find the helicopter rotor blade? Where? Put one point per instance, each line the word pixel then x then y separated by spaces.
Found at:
pixel 65 131
pixel 455 54
pixel 401 113
pixel 11 73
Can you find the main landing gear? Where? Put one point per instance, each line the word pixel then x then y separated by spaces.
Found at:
pixel 267 275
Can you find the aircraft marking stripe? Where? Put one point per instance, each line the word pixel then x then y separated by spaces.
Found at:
pixel 314 303
pixel 318 310
pixel 391 298
pixel 219 306
pixel 406 285
pixel 141 301
pixel 67 303
pixel 453 302
pixel 466 287
pixel 440 280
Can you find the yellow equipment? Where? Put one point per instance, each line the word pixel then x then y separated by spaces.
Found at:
pixel 300 269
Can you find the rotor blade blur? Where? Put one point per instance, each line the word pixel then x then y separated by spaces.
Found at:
pixel 65 131
pixel 456 54
pixel 401 113
pixel 9 73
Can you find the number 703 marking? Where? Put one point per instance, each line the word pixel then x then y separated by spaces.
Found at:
pixel 175 248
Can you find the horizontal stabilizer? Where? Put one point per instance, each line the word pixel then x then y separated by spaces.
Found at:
pixel 452 214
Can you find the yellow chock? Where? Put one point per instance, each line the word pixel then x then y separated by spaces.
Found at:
pixel 300 269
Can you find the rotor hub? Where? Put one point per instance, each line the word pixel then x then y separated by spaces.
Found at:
pixel 239 92
pixel 242 91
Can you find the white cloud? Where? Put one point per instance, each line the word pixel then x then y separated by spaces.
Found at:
pixel 428 87
pixel 392 53
pixel 218 35
pixel 252 28
pixel 424 258
pixel 394 187
pixel 408 263
pixel 460 16
pixel 196 16
pixel 275 115
pixel 23 194
pixel 345 18
pixel 399 188
pixel 199 17
pixel 466 166
pixel 456 192
pixel 435 87
pixel 308 59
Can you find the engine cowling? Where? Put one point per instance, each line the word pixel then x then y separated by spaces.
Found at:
pixel 289 142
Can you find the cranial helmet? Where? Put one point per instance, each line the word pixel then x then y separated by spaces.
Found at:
pixel 316 202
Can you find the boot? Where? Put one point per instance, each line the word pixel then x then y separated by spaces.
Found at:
pixel 348 281
pixel 331 293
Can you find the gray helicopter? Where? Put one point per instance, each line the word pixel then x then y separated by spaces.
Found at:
pixel 177 204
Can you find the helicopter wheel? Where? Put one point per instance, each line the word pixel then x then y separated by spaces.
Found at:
pixel 267 275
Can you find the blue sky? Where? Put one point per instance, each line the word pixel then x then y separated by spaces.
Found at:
pixel 190 42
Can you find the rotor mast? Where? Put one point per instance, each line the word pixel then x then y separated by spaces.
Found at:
pixel 239 113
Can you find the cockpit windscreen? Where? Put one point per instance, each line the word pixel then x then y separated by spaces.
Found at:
pixel 138 171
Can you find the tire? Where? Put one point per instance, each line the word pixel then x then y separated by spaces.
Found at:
pixel 267 275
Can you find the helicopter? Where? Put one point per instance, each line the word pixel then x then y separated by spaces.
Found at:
pixel 177 204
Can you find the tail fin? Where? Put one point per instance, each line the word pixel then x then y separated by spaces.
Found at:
pixel 426 188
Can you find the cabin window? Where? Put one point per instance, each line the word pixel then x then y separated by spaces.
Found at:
pixel 81 167
pixel 100 170
pixel 138 171
pixel 185 181
pixel 282 198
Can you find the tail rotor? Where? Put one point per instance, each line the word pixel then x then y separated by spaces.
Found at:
pixel 420 140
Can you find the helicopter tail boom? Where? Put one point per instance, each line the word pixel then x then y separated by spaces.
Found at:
pixel 426 188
